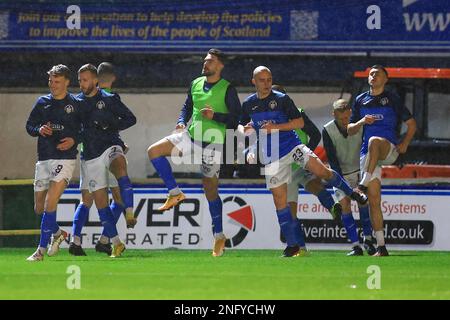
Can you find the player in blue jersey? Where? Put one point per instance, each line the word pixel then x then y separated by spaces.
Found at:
pixel 310 136
pixel 106 78
pixel 213 104
pixel 380 113
pixel 274 116
pixel 343 156
pixel 56 120
pixel 103 150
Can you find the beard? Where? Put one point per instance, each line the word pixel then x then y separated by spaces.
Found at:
pixel 207 73
pixel 88 90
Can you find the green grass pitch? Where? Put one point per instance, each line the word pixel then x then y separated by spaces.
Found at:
pixel 239 274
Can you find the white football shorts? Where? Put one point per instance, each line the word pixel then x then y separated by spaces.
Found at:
pixel 97 170
pixel 52 170
pixel 280 171
pixel 209 158
pixel 84 182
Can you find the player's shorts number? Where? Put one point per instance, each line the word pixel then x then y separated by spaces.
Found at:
pixel 58 169
pixel 114 151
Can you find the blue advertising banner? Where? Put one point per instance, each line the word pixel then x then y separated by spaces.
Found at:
pixel 246 26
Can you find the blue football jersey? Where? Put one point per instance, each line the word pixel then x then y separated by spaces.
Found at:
pixel 389 112
pixel 276 108
pixel 105 116
pixel 65 117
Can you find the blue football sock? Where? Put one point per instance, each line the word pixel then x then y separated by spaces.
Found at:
pixel 365 220
pixel 107 220
pixel 79 219
pixel 350 226
pixel 215 209
pixel 326 199
pixel 126 191
pixel 48 224
pixel 164 170
pixel 287 226
pixel 117 210
pixel 55 226
pixel 299 234
pixel 338 182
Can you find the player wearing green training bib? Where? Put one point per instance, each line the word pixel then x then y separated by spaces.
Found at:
pixel 213 105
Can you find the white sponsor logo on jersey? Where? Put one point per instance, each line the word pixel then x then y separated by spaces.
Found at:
pixel 378 117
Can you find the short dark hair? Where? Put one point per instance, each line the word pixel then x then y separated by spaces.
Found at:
pixel 218 53
pixel 380 67
pixel 88 67
pixel 59 70
pixel 105 68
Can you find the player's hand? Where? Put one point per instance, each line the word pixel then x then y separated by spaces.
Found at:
pixel 401 147
pixel 269 127
pixel 249 129
pixel 46 130
pixel 369 119
pixel 251 158
pixel 207 112
pixel 65 144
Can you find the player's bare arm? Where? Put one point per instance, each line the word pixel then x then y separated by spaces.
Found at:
pixel 353 128
pixel 411 130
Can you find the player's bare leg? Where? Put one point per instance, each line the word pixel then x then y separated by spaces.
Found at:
pixel 87 198
pixel 157 154
pixel 378 150
pixel 314 186
pixel 279 195
pixel 39 201
pixel 116 195
pixel 54 193
pixel 374 193
pixel 210 186
pixel 316 166
pixel 162 148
